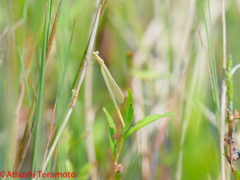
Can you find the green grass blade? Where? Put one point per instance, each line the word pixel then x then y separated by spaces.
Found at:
pixel 41 87
pixel 145 121
pixel 63 78
pixel 213 69
pixel 24 25
pixel 66 62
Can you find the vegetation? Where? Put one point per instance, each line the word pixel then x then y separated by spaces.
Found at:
pixel 169 58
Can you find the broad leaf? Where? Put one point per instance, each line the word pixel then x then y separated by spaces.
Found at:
pixel 145 121
pixel 112 130
pixel 128 112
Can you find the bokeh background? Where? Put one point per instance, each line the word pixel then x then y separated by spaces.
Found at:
pixel 154 48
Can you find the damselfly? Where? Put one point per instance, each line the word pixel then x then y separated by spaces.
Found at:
pixel 114 91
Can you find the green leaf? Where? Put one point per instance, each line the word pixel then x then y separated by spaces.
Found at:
pixel 237 175
pixel 110 120
pixel 128 112
pixel 112 130
pixel 145 121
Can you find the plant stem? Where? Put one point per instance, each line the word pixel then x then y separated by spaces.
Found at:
pixel 223 97
pixel 117 175
pixel 119 150
pixel 41 87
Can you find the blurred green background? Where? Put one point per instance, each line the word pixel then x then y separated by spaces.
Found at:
pixel 154 48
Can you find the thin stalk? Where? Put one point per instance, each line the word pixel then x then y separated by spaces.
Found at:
pixel 224 89
pixel 41 87
pixel 213 68
pixel 66 62
pixel 24 25
pixel 56 140
pixel 51 130
pixel 119 150
pixel 214 60
pixel 208 67
pixel 117 175
pixel 90 114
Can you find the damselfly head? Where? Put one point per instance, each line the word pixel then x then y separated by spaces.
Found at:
pixel 95 53
pixel 92 59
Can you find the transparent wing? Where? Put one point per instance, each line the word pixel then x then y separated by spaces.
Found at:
pixel 114 87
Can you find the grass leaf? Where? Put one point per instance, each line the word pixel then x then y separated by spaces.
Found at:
pixel 41 87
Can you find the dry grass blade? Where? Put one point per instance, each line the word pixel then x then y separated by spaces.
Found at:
pixel 23 146
pixel 49 46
